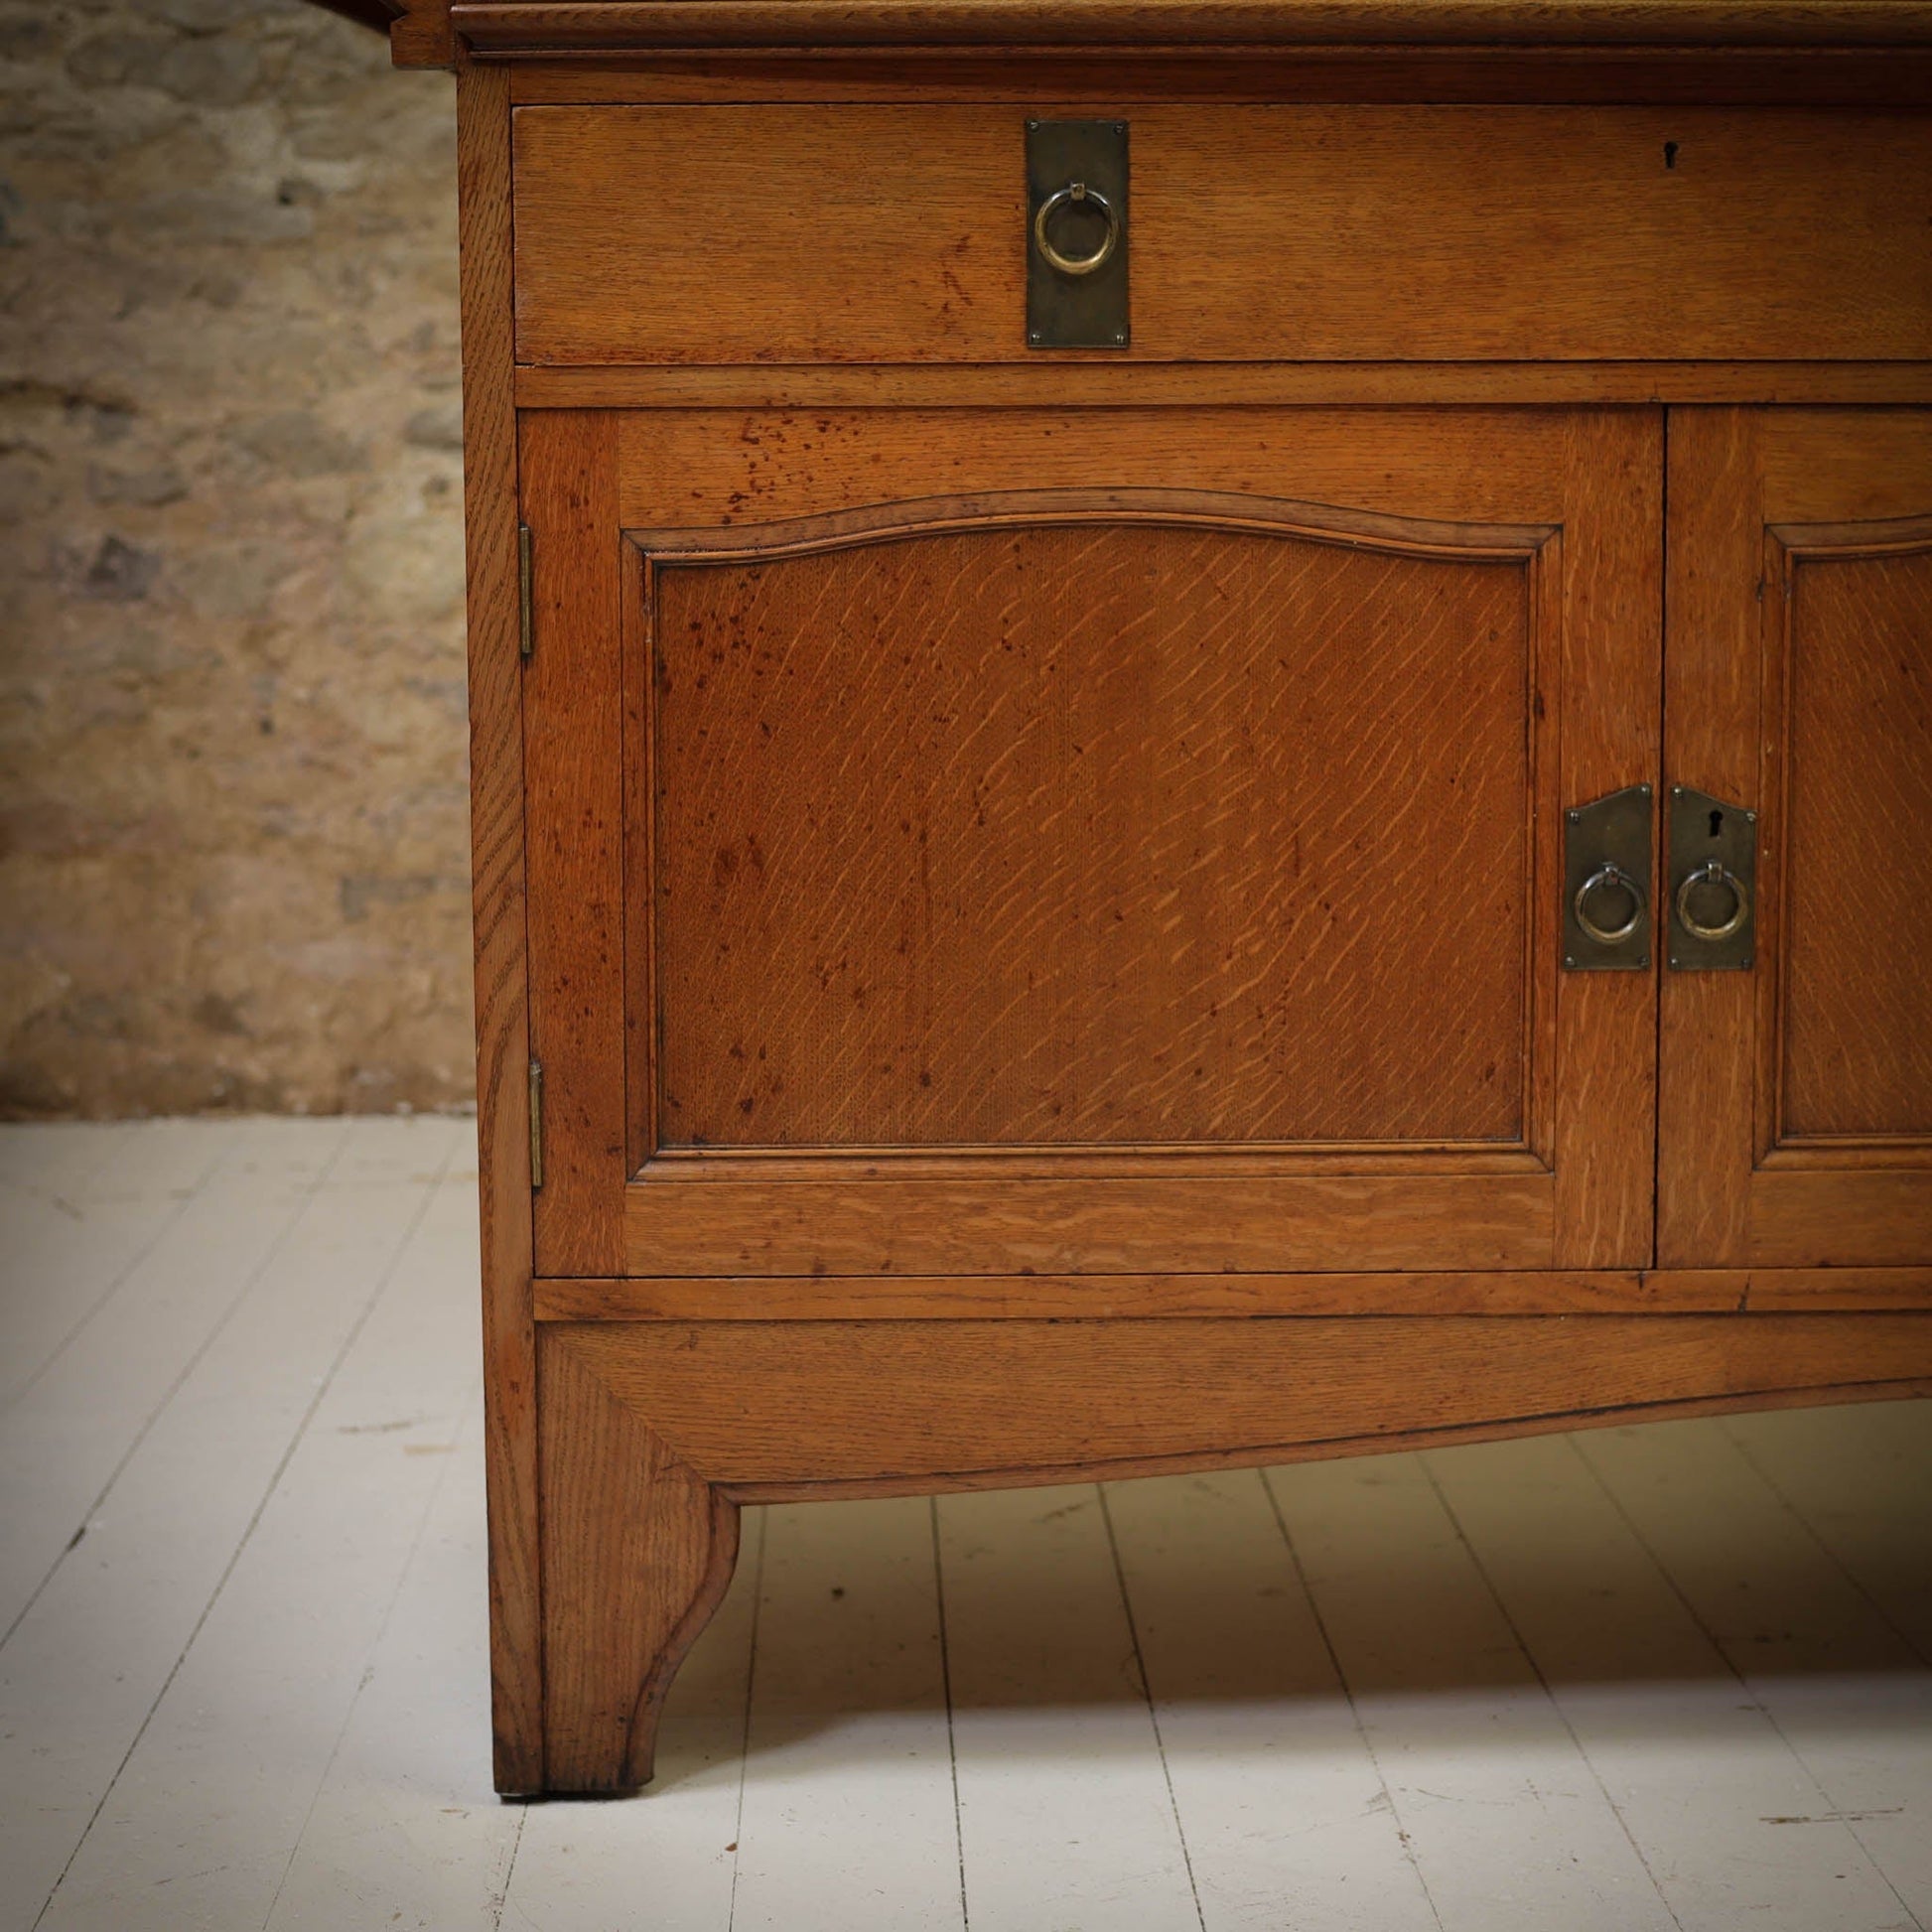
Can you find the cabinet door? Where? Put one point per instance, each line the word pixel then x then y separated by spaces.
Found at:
pixel 1795 1112
pixel 1106 841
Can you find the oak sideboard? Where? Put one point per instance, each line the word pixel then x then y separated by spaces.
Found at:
pixel 1201 733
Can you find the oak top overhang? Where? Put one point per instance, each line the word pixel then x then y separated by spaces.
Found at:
pixel 426 32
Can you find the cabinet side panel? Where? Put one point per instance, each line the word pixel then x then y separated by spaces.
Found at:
pixel 497 884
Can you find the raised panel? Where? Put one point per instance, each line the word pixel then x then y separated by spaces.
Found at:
pixel 1853 1028
pixel 1057 823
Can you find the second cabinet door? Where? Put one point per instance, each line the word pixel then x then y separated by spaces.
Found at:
pixel 1796 1110
pixel 1102 842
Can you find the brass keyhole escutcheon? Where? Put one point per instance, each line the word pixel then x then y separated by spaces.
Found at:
pixel 1711 876
pixel 1712 847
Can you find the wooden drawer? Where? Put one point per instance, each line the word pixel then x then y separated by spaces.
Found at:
pixel 893 234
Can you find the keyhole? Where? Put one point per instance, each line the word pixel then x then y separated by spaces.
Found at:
pixel 1670 154
pixel 1717 824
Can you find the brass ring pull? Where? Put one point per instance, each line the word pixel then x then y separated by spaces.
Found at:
pixel 1711 873
pixel 1610 873
pixel 1091 197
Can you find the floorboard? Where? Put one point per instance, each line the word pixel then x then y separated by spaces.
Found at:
pixel 82 1202
pixel 1854 1478
pixel 1286 1815
pixel 1065 1815
pixel 62 1440
pixel 848 1741
pixel 403 1831
pixel 1510 1829
pixel 1849 1695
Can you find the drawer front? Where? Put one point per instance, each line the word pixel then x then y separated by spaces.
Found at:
pixel 890 233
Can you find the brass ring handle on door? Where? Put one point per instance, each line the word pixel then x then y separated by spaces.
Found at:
pixel 1711 873
pixel 1610 873
pixel 1061 197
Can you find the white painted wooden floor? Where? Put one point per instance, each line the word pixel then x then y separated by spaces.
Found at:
pixel 1648 1677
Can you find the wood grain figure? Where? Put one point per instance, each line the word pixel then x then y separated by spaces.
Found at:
pixel 1109 852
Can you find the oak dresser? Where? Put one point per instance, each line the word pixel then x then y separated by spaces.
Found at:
pixel 1202 733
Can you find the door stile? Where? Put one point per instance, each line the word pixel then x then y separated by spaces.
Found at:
pixel 574 790
pixel 1610 737
pixel 1706 1139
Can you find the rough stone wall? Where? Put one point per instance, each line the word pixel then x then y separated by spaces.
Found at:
pixel 234 843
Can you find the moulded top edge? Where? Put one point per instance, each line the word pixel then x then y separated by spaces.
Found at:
pixel 579 26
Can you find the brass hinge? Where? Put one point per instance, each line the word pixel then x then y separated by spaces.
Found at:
pixel 536 1125
pixel 523 588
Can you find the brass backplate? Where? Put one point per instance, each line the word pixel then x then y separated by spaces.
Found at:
pixel 1606 864
pixel 1707 832
pixel 1077 310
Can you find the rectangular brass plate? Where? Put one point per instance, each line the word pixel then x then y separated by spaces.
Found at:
pixel 1066 310
pixel 1705 831
pixel 1610 832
